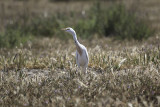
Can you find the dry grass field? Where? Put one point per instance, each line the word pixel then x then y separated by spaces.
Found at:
pixel 118 75
pixel 43 72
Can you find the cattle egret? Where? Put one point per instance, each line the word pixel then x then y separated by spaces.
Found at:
pixel 81 51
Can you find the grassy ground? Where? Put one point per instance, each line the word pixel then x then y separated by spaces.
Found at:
pixel 44 74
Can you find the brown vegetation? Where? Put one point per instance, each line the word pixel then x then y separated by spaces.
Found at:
pixel 43 72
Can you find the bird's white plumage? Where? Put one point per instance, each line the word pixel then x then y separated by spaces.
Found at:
pixel 82 58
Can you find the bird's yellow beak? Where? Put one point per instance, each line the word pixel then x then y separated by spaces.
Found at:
pixel 64 29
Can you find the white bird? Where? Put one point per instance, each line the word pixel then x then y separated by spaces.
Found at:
pixel 82 58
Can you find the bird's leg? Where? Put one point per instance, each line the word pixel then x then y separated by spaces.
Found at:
pixel 77 69
pixel 84 69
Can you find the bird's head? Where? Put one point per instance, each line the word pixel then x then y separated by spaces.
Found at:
pixel 69 30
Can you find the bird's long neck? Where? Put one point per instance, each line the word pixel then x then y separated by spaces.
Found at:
pixel 79 49
pixel 75 38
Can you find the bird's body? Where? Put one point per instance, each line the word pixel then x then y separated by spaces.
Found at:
pixel 82 59
pixel 81 51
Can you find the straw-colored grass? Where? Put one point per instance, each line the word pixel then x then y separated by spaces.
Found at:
pixel 44 73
